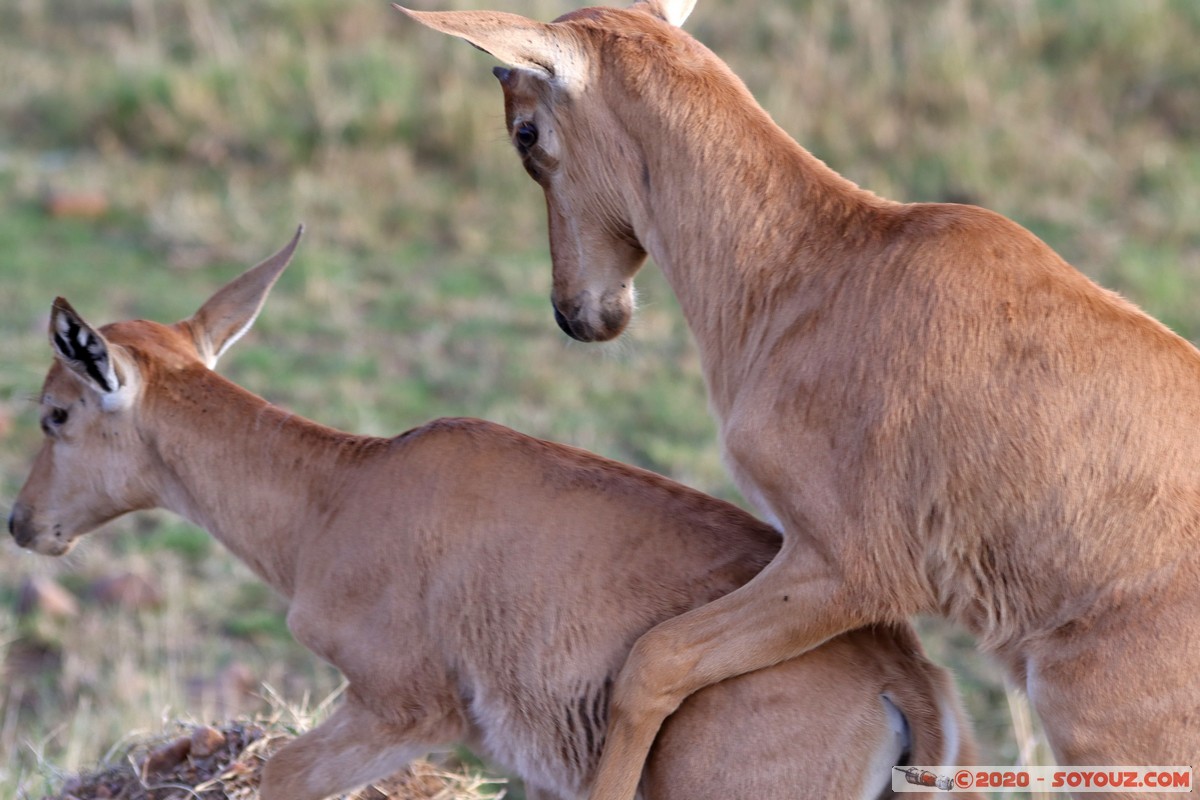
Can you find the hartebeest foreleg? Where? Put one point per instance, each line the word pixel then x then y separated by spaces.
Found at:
pixel 352 748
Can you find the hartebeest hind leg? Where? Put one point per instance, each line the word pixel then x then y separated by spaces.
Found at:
pixel 351 748
pixel 792 606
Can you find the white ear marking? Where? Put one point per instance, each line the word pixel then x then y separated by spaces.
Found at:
pixel 233 338
pixel 81 349
pixel 674 12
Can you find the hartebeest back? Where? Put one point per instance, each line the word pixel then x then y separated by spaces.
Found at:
pixel 939 412
pixel 472 584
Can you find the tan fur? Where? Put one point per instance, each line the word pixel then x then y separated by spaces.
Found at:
pixel 942 415
pixel 473 584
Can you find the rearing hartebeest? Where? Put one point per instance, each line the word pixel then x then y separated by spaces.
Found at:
pixel 940 413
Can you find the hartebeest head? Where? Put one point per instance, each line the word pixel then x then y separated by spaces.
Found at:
pixel 568 129
pixel 95 463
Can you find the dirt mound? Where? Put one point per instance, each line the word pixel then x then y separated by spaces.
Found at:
pixel 224 762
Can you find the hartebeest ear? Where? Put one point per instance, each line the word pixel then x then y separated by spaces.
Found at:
pixel 230 312
pixel 672 11
pixel 517 41
pixel 82 350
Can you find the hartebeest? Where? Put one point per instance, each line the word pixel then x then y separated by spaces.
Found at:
pixel 473 584
pixel 939 413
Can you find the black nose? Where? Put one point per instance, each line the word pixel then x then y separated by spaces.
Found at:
pixel 575 329
pixel 19 524
pixel 563 325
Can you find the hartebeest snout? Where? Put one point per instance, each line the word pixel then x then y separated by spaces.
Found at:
pixel 939 412
pixel 473 584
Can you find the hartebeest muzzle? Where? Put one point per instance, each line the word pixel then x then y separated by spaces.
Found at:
pixel 594 322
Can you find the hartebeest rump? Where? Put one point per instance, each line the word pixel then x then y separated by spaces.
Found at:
pixel 938 411
pixel 473 584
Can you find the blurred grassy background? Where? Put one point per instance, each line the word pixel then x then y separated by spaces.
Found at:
pixel 151 149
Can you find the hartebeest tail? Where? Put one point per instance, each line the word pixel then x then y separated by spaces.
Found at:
pixel 940 413
pixel 473 584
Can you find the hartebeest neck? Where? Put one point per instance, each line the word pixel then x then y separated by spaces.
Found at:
pixel 740 218
pixel 258 478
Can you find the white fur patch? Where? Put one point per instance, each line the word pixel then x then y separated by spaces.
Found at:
pixel 212 362
pixel 896 739
pixel 756 499
pixel 115 401
pixel 949 734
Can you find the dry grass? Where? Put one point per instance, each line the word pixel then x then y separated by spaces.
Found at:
pixel 191 761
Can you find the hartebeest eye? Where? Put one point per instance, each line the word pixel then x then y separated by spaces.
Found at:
pixel 527 135
pixel 53 419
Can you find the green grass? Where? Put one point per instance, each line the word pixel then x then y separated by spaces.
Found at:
pixel 420 290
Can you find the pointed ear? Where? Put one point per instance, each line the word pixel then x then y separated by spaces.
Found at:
pixel 519 42
pixel 230 312
pixel 83 351
pixel 672 11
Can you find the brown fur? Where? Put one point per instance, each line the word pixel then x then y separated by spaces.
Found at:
pixel 471 583
pixel 942 414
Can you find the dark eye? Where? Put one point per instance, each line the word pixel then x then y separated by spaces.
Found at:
pixel 54 418
pixel 527 135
